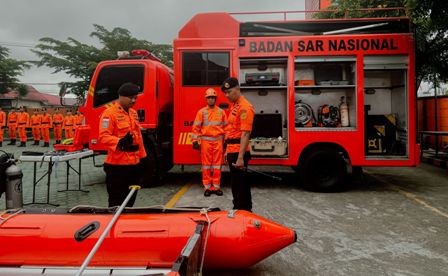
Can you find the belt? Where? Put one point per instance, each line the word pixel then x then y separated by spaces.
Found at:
pixel 22 123
pixel 57 123
pixel 35 124
pixel 45 123
pixel 233 141
pixel 12 122
pixel 68 125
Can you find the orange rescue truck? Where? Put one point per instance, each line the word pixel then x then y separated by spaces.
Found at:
pixel 331 96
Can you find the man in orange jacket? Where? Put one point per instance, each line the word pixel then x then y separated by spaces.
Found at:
pixel 208 128
pixel 12 126
pixel 46 124
pixel 68 124
pixel 119 130
pixel 35 126
pixel 238 131
pixel 2 125
pixel 58 120
pixel 23 121
pixel 79 118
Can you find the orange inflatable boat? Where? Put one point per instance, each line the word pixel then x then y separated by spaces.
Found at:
pixel 152 237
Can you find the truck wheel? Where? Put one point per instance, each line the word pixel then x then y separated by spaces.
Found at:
pixel 323 170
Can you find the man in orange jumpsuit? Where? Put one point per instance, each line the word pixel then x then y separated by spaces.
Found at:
pixel 237 143
pixel 79 118
pixel 2 125
pixel 23 121
pixel 12 126
pixel 35 126
pixel 68 125
pixel 208 127
pixel 46 124
pixel 58 119
pixel 119 130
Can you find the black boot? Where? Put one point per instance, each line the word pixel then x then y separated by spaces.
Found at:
pixel 46 144
pixel 22 145
pixel 1 144
pixel 36 143
pixel 13 142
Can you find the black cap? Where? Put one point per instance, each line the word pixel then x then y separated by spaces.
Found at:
pixel 229 83
pixel 128 89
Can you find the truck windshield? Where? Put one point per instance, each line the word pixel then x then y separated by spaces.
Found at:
pixel 112 77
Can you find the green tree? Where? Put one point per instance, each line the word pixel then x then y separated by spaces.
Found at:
pixel 10 69
pixel 429 18
pixel 79 60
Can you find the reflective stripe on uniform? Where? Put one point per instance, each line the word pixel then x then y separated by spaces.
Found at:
pixel 210 138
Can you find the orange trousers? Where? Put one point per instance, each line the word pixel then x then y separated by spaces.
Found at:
pixel 36 133
pixel 22 133
pixel 211 159
pixel 46 134
pixel 57 132
pixel 12 130
pixel 1 133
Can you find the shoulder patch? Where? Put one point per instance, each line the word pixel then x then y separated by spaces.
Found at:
pixel 243 115
pixel 105 122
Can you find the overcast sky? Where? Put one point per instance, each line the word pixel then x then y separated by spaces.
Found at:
pixel 24 22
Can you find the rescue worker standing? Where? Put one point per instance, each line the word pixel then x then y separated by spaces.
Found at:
pixel 237 143
pixel 58 119
pixel 68 124
pixel 120 132
pixel 208 127
pixel 46 123
pixel 23 121
pixel 12 126
pixel 79 118
pixel 2 125
pixel 35 126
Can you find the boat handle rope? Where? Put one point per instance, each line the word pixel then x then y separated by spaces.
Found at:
pixel 15 213
pixel 106 230
pixel 204 212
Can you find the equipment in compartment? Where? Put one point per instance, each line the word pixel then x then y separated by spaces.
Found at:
pixel 381 134
pixel 266 78
pixel 328 116
pixel 267 125
pixel 268 146
pixel 304 115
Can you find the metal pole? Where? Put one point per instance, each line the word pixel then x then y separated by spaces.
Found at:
pixel 106 231
pixel 265 174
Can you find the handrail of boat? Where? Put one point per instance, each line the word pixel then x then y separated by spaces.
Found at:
pixel 9 214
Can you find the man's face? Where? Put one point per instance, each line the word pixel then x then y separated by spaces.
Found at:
pixel 127 102
pixel 232 94
pixel 211 101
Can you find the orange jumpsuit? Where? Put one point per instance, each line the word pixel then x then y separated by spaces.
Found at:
pixel 2 124
pixel 208 127
pixel 78 119
pixel 68 125
pixel 46 124
pixel 23 121
pixel 58 119
pixel 12 125
pixel 35 126
pixel 121 164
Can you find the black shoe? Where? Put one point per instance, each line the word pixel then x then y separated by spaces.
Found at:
pixel 1 144
pixel 46 144
pixel 36 143
pixel 22 145
pixel 207 192
pixel 219 192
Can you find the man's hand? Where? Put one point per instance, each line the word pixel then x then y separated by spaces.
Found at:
pixel 125 141
pixel 196 145
pixel 239 163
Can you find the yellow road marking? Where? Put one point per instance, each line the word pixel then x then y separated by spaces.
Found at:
pixel 178 195
pixel 419 201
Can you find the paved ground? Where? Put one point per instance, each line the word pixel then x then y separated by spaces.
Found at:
pixel 392 222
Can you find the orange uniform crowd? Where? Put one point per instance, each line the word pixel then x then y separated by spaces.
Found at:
pixel 40 122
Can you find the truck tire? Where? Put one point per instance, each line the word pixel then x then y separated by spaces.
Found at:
pixel 323 170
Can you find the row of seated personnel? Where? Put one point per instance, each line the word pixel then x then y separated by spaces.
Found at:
pixel 40 123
